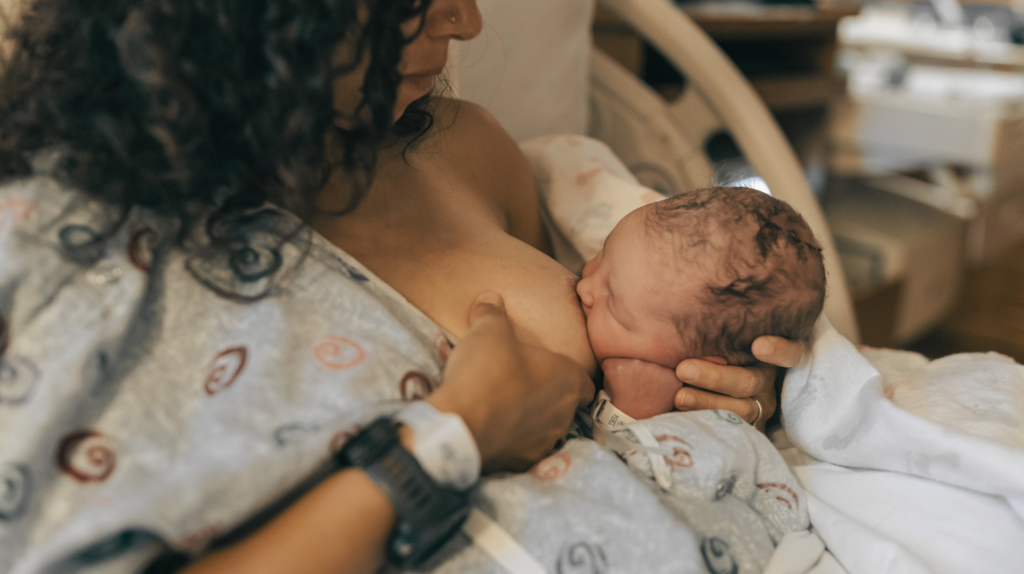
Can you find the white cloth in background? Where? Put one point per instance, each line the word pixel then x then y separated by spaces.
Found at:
pixel 585 190
pixel 530 65
pixel 978 394
pixel 911 495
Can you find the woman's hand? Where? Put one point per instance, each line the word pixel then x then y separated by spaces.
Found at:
pixel 517 399
pixel 713 386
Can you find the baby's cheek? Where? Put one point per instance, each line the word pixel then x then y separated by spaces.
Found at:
pixel 599 343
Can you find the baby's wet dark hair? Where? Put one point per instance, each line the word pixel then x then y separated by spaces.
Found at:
pixel 763 268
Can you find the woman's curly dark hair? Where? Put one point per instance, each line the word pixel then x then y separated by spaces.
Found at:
pixel 183 106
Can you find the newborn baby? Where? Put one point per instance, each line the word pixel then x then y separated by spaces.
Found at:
pixel 699 275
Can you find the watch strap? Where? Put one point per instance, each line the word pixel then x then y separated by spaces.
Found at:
pixel 427 514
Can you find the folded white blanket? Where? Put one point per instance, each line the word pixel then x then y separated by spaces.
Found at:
pixel 946 503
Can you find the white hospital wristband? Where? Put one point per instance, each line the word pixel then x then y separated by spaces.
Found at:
pixel 607 417
pixel 442 444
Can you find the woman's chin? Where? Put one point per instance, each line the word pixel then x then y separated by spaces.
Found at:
pixel 411 89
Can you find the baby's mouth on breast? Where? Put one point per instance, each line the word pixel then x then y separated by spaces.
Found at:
pixel 586 311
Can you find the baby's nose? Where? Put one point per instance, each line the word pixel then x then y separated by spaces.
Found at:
pixel 585 293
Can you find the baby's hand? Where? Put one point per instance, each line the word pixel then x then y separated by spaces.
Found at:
pixel 638 388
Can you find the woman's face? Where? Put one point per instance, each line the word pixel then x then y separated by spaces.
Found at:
pixel 423 59
pixel 426 56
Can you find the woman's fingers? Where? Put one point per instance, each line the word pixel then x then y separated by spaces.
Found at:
pixel 713 386
pixel 737 382
pixel 777 351
pixel 745 407
pixel 703 400
pixel 487 306
pixel 517 399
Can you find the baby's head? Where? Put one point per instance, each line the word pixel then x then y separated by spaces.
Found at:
pixel 702 275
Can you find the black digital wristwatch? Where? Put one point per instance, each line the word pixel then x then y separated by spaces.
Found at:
pixel 427 513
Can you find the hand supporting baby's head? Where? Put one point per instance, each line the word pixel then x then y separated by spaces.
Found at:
pixel 762 269
pixel 702 274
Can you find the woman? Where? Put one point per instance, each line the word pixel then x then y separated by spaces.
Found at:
pixel 202 111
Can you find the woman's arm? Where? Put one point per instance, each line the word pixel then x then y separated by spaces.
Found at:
pixel 516 399
pixel 341 526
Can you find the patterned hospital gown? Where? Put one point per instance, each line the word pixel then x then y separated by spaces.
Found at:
pixel 152 400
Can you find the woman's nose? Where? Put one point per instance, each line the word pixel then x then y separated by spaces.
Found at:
pixel 457 19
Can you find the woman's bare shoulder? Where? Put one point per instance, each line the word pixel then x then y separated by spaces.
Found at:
pixel 477 145
pixel 469 130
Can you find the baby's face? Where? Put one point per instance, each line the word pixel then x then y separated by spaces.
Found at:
pixel 631 291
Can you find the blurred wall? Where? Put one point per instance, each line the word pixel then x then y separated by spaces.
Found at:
pixel 8 11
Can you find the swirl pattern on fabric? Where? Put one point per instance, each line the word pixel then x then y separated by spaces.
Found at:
pixel 582 558
pixel 86 456
pixel 415 386
pixel 224 369
pixel 18 378
pixel 15 490
pixel 552 468
pixel 718 556
pixel 337 353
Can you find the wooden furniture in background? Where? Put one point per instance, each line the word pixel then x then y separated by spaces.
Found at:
pixel 787 53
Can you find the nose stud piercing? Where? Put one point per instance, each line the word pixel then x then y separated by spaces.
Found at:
pixel 452 19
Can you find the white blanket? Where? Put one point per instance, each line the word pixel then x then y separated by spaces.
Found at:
pixel 890 490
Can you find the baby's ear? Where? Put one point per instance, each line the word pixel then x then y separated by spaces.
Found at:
pixel 715 360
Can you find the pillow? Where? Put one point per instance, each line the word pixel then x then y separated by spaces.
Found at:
pixel 529 66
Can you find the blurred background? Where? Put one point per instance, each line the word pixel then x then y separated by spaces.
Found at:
pixel 908 119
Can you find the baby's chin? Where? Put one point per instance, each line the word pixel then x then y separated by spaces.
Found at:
pixel 643 393
pixel 644 401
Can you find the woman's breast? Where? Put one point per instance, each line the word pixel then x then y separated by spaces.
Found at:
pixel 442 277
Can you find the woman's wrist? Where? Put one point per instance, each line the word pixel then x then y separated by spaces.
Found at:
pixel 442 444
pixel 428 506
pixel 447 402
pixel 342 525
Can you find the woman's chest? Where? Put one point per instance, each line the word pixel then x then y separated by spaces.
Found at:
pixel 442 247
